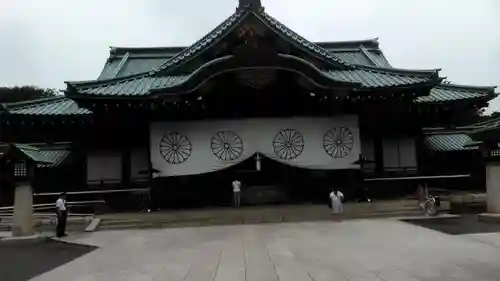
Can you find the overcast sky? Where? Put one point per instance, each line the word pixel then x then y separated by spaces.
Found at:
pixel 46 42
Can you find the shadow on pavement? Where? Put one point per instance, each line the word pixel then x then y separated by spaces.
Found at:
pixel 19 262
pixel 466 224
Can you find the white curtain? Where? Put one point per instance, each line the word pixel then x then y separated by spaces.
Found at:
pixel 104 166
pixel 186 148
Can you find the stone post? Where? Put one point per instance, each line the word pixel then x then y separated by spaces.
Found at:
pixel 22 224
pixel 493 187
pixel 492 193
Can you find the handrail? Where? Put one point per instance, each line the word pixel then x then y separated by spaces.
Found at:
pixel 93 192
pixel 419 177
pixel 51 205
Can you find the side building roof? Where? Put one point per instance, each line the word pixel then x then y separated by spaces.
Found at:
pixel 460 138
pixel 52 106
pixel 44 155
pixel 448 141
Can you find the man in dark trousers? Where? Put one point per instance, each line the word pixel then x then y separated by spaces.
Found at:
pixel 236 193
pixel 62 215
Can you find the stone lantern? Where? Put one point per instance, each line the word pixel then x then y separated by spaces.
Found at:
pixel 20 162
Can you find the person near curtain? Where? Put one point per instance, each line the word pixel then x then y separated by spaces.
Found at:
pixel 336 197
pixel 62 214
pixel 236 193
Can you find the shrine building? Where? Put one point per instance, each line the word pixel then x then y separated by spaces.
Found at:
pixel 251 100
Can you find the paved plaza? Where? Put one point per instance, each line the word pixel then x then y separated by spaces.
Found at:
pixel 376 249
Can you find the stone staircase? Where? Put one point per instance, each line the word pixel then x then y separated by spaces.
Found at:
pixel 260 214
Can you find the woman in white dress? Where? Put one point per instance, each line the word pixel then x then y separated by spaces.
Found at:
pixel 336 198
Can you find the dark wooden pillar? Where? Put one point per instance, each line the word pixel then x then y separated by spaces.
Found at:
pixel 379 154
pixel 126 164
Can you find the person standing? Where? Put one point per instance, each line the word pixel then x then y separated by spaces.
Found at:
pixel 62 215
pixel 336 198
pixel 236 193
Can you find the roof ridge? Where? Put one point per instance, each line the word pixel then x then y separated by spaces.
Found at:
pixel 357 42
pixel 164 48
pixel 444 131
pixel 289 32
pixel 367 54
pixel 115 49
pixel 416 72
pixel 105 81
pixel 228 23
pixel 30 103
pixel 123 61
pixel 467 87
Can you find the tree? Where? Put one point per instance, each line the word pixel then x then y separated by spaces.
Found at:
pixel 23 93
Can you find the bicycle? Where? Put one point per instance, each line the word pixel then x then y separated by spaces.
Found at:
pixel 429 206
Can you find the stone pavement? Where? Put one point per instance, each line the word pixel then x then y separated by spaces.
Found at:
pixel 380 249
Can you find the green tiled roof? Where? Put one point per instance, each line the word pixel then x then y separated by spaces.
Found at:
pixel 140 84
pixel 133 86
pixel 371 77
pixel 448 142
pixel 54 106
pixel 34 154
pixel 129 61
pixel 450 92
pixel 135 71
pixel 45 156
pixel 55 155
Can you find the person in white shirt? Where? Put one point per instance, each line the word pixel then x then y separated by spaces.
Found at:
pixel 236 192
pixel 62 215
pixel 336 198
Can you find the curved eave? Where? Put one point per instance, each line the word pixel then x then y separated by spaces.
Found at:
pixel 279 62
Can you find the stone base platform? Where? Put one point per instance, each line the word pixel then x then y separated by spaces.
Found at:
pixel 258 214
pixel 489 217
